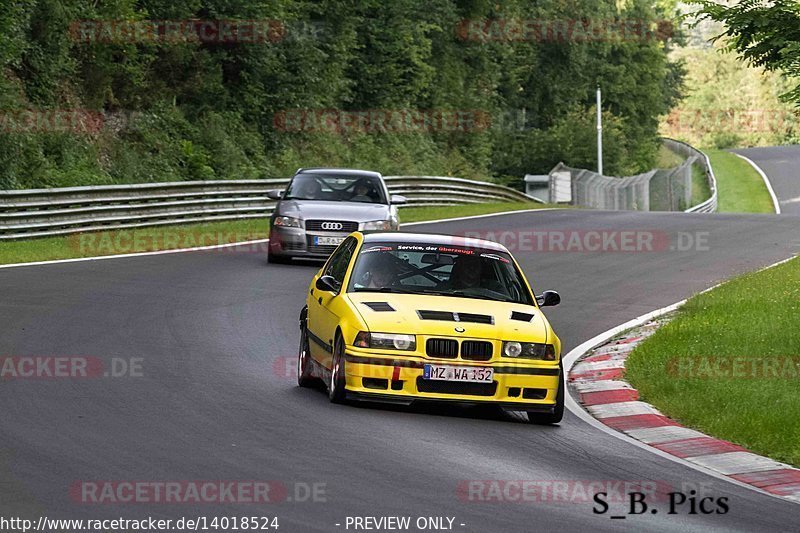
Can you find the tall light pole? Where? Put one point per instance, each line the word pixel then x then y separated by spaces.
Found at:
pixel 599 134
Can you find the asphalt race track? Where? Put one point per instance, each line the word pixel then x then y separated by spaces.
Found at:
pixel 779 163
pixel 216 330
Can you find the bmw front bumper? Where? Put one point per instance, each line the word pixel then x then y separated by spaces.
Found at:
pixel 398 379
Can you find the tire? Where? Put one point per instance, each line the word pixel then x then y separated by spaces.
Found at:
pixel 558 413
pixel 304 376
pixel 336 385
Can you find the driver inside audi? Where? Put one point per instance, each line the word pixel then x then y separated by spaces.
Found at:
pixel 362 192
pixel 310 189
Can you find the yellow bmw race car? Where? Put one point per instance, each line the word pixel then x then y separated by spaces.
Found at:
pixel 399 317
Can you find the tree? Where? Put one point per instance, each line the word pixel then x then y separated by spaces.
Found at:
pixel 185 109
pixel 764 33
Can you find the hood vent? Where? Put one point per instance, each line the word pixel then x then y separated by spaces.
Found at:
pixel 522 317
pixel 448 316
pixel 381 307
pixel 436 315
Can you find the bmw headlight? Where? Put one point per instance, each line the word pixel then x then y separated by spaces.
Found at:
pixel 287 222
pixel 386 341
pixel 377 225
pixel 529 350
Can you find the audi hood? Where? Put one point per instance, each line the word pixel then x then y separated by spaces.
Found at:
pixel 324 210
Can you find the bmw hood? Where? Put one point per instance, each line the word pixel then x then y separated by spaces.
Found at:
pixel 321 210
pixel 450 316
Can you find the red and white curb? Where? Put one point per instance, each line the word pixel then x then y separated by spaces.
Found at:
pixel 598 378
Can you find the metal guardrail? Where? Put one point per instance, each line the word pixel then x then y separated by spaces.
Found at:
pixel 687 151
pixel 47 212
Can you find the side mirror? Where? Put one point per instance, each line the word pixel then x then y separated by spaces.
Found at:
pixel 275 194
pixel 548 298
pixel 327 283
pixel 397 199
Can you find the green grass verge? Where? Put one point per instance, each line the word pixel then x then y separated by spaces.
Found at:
pixel 741 189
pixel 132 240
pixel 135 240
pixel 419 214
pixel 752 321
pixel 667 158
pixel 701 190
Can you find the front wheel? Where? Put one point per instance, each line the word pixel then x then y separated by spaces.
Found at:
pixel 336 386
pixel 558 413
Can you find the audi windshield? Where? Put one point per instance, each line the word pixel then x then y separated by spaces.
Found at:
pixel 336 188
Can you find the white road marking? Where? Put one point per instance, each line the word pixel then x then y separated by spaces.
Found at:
pixel 138 254
pixel 775 203
pixel 470 217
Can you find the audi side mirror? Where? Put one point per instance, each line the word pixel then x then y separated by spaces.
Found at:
pixel 548 298
pixel 274 194
pixel 397 199
pixel 327 283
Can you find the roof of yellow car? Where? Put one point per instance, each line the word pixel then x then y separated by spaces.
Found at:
pixel 431 238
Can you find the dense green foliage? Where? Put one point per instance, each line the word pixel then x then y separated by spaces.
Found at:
pixel 713 115
pixel 207 110
pixel 764 33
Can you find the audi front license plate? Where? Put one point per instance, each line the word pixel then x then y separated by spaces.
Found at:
pixel 472 374
pixel 328 241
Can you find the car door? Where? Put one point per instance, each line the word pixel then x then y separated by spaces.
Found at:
pixel 325 308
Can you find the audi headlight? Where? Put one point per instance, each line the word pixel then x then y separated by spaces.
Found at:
pixel 287 222
pixel 529 350
pixel 377 225
pixel 386 341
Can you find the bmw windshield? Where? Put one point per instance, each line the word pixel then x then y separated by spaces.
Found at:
pixel 433 269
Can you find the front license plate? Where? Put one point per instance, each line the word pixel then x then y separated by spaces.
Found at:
pixel 473 374
pixel 328 241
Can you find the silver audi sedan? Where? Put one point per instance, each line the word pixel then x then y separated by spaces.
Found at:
pixel 321 206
